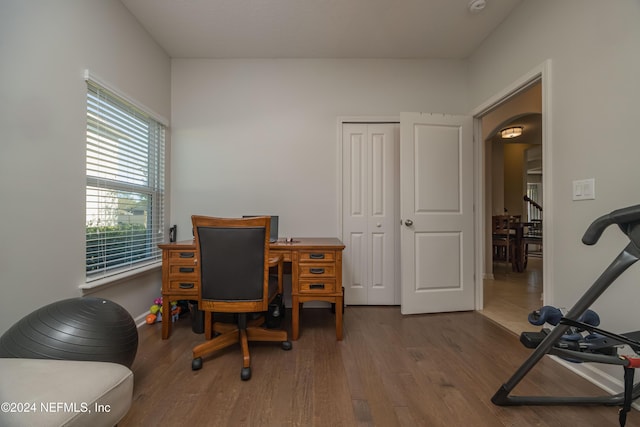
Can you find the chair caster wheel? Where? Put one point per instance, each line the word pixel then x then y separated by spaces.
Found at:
pixel 196 363
pixel 286 345
pixel 245 374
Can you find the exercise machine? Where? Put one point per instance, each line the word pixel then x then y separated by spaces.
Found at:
pixel 568 340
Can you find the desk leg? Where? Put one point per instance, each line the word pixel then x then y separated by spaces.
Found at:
pixel 295 321
pixel 166 319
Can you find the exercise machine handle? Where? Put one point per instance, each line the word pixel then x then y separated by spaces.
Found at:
pixel 620 217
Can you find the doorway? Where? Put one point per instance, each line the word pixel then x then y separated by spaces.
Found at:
pixel 433 189
pixel 514 170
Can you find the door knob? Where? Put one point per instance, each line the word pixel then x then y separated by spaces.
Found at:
pixel 408 223
pixel 378 225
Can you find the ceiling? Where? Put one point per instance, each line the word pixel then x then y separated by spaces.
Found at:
pixel 318 28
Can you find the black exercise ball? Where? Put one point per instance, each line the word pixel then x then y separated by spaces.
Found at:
pixel 85 328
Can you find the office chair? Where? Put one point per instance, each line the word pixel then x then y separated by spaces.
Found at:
pixel 233 265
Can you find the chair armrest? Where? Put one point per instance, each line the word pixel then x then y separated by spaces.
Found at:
pixel 275 260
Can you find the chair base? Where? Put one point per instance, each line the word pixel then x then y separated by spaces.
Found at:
pixel 230 334
pixel 245 374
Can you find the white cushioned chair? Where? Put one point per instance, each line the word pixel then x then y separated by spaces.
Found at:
pixel 46 392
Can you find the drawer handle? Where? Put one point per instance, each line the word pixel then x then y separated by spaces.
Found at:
pixel 186 285
pixel 187 254
pixel 316 286
pixel 187 269
pixel 316 270
pixel 316 256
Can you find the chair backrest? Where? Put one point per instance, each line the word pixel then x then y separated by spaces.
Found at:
pixel 534 228
pixel 502 224
pixel 232 263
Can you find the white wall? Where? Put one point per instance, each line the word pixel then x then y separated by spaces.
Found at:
pixel 260 136
pixel 45 47
pixel 595 64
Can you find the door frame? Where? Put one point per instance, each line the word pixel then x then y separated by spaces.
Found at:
pixel 541 73
pixel 341 120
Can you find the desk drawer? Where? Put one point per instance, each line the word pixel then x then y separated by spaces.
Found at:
pixel 317 256
pixel 325 286
pixel 185 271
pixel 183 286
pixel 317 270
pixel 182 257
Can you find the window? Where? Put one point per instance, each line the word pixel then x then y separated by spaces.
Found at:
pixel 125 185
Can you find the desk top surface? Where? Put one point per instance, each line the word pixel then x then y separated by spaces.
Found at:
pixel 297 243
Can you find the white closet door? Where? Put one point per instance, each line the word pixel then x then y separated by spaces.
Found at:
pixel 370 188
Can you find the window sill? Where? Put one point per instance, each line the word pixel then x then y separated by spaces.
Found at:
pixel 120 277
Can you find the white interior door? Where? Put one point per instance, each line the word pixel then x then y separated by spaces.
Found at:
pixel 370 156
pixel 437 243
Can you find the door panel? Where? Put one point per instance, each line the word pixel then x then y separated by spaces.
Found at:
pixel 436 181
pixel 354 185
pixel 370 188
pixel 436 272
pixel 437 168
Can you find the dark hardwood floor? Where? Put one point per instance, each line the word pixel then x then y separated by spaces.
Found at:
pixel 390 370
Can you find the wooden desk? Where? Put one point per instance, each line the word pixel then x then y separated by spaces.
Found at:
pixel 316 275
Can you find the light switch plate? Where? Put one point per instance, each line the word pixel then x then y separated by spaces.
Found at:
pixel 584 189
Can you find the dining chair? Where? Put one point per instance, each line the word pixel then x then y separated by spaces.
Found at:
pixel 533 236
pixel 503 238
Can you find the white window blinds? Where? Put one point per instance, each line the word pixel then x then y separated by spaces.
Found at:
pixel 125 185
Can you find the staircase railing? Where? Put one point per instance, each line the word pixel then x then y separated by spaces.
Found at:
pixel 534 209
